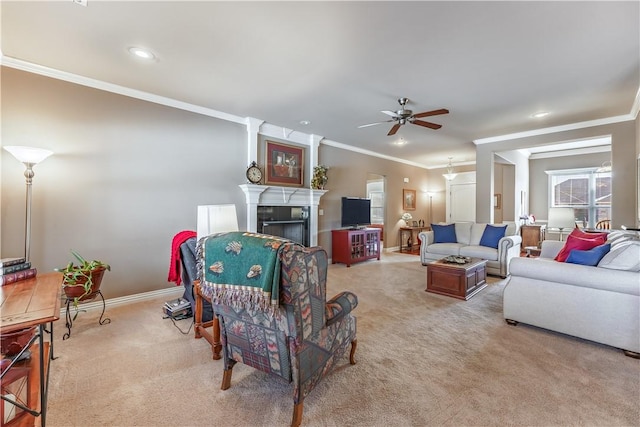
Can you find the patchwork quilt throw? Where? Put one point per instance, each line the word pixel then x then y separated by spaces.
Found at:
pixel 241 269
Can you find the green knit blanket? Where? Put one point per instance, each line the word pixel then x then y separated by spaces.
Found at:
pixel 241 269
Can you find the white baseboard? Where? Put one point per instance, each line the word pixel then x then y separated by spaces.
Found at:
pixel 96 304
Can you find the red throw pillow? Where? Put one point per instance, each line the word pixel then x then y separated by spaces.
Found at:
pixel 579 243
pixel 590 236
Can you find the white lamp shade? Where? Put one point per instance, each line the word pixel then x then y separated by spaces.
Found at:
pixel 561 218
pixel 31 155
pixel 216 219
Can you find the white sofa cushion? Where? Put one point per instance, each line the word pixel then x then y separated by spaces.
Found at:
pixel 618 237
pixel 625 256
pixel 463 232
pixel 477 230
pixel 483 252
pixel 512 228
pixel 445 248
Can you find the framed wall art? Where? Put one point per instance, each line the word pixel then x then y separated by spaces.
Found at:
pixel 285 164
pixel 408 200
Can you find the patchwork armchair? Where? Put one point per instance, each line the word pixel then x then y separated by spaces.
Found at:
pixel 284 326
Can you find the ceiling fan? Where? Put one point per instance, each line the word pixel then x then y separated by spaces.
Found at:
pixel 403 116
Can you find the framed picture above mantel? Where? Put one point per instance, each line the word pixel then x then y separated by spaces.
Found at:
pixel 285 164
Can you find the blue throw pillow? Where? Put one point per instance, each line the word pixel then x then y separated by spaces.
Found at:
pixel 492 235
pixel 591 257
pixel 444 233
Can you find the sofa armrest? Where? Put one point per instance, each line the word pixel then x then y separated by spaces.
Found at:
pixel 550 248
pixel 426 237
pixel 508 248
pixel 339 306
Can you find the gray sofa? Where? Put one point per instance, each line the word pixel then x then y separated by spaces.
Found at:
pixel 598 303
pixel 468 236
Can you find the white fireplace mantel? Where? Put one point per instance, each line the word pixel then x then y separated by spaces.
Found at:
pixel 272 195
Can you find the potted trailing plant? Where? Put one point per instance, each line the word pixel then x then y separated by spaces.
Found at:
pixel 82 280
pixel 319 179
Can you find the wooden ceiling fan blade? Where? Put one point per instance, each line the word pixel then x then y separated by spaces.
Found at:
pixel 373 124
pixel 426 124
pixel 431 113
pixel 394 129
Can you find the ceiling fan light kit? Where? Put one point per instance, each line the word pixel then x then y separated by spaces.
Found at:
pixel 404 116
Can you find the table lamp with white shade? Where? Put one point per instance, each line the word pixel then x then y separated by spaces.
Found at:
pixel 561 219
pixel 216 219
pixel 30 156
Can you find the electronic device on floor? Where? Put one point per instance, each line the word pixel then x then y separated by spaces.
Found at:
pixel 178 308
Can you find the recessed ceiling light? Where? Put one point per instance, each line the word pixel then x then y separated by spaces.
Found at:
pixel 305 122
pixel 400 142
pixel 142 53
pixel 540 114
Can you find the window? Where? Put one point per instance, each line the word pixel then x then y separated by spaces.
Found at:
pixel 586 191
pixel 375 192
pixel 377 207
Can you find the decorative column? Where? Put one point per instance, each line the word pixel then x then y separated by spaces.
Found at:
pixel 252 193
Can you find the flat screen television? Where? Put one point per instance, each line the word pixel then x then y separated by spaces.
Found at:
pixel 356 212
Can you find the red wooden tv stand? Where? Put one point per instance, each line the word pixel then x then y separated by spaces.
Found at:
pixel 355 245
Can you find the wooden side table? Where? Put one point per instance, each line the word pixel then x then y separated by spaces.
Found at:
pixel 532 251
pixel 532 235
pixel 25 304
pixel 406 233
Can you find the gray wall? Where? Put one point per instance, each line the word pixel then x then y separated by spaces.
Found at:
pixel 623 157
pixel 539 181
pixel 348 177
pixel 126 176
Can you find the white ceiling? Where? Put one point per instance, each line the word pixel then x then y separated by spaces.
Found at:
pixel 338 64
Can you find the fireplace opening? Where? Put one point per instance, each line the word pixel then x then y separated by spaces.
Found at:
pixel 290 222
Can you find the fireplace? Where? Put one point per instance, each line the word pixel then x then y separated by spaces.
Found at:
pixel 290 212
pixel 290 222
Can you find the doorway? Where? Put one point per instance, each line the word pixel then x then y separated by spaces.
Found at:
pixel 376 192
pixel 461 198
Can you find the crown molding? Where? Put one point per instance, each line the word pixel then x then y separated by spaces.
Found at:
pixel 266 129
pixel 555 129
pixel 113 88
pixel 370 153
pixel 571 152
pixel 636 106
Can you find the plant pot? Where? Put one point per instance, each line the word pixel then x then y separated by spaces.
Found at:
pixel 13 342
pixel 78 291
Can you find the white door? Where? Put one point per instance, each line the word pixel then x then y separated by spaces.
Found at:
pixel 461 200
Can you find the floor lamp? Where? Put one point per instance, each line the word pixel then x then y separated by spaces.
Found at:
pixel 30 156
pixel 430 208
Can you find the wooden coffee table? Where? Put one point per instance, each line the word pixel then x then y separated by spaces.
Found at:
pixel 460 281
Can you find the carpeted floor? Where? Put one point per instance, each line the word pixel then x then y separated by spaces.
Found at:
pixel 423 360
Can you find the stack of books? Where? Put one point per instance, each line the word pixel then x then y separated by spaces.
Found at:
pixel 15 269
pixel 177 308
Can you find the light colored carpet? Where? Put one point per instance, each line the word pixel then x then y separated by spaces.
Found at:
pixel 423 360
